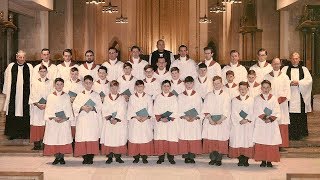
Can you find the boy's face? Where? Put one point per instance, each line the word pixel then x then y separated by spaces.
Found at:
pixel 87 84
pixel 149 73
pixel 217 84
pixel 112 54
pixel 161 63
pixel 208 54
pixel 243 89
pixel 202 72
pixel 230 78
pixel 139 88
pixel 265 88
pixel 59 86
pixel 175 75
pixel 189 85
pixel 43 73
pixel 183 52
pixel 234 58
pixel 102 74
pixel 166 88
pixel 114 89
pixel 74 75
pixel 135 53
pixel 67 56
pixel 251 78
pixel 127 70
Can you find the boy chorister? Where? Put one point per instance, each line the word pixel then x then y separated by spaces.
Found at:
pixel 177 85
pixel 58 114
pixel 254 86
pixel 40 89
pixel 231 88
pixel 216 125
pixel 166 126
pixel 162 73
pixel 152 85
pixel 203 84
pixel 242 119
pixel 189 123
pixel 87 110
pixel 66 65
pixel 126 81
pixel 266 134
pixel 140 111
pixel 101 85
pixel 114 127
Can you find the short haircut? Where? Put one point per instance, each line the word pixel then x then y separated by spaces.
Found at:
pixel 174 69
pixel 139 82
pixel 229 73
pixel 252 72
pixel 160 40
pixel 266 82
pixel 166 82
pixel 21 52
pixel 244 83
pixel 45 49
pixel 208 48
pixel 89 51
pixel 126 64
pixel 114 48
pixel 148 66
pixel 234 51
pixel 183 46
pixel 43 67
pixel 58 79
pixel 161 58
pixel 114 83
pixel 188 79
pixel 88 77
pixel 202 65
pixel 73 69
pixel 135 47
pixel 261 50
pixel 103 68
pixel 67 50
pixel 217 78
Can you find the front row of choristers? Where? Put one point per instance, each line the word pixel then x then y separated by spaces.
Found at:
pixel 243 127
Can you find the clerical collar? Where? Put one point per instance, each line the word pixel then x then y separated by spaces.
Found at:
pixel 20 64
pixel 189 92
pixel 161 72
pixel 295 66
pixel 183 58
pixel 262 64
pixel 113 62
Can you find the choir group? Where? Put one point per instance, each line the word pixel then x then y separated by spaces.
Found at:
pixel 140 108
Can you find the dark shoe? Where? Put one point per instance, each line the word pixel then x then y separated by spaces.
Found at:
pixel 160 161
pixel 186 160
pixel 109 161
pixel 281 149
pixel 172 161
pixel 55 162
pixel 240 163
pixel 136 160
pixel 90 161
pixel 245 162
pixel 269 164
pixel 212 162
pixel 218 163
pixel 119 160
pixel 263 164
pixel 62 161
pixel 192 161
pixel 144 161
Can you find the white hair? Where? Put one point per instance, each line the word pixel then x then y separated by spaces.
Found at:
pixel 21 52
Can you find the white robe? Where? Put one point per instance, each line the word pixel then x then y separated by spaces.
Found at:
pixel 152 87
pixel 240 73
pixel 166 130
pixel 241 135
pixel 177 85
pixel 64 70
pixel 187 67
pixel 305 88
pixel 203 85
pixel 231 90
pixel 137 68
pixel 58 133
pixel 140 132
pixel 189 130
pixel 41 88
pixel 114 135
pixel 19 91
pixel 74 86
pixel 162 75
pixel 115 69
pixel 266 133
pixel 254 89
pixel 88 125
pixel 52 71
pixel 280 87
pixel 213 67
pixel 261 71
pixel 217 104
pixel 101 86
pixel 126 83
pixel 88 69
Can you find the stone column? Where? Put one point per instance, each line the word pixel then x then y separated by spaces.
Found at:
pixel 69 24
pixel 284 35
pixel 44 29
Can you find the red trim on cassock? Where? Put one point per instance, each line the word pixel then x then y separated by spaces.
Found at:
pixel 36 133
pixel 236 152
pixel 214 145
pixel 87 147
pixel 192 146
pixel 116 150
pixel 266 153
pixel 161 147
pixel 284 131
pixel 54 149
pixel 142 149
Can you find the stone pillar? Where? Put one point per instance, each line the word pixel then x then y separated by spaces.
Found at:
pixel 69 24
pixel 44 29
pixel 284 35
